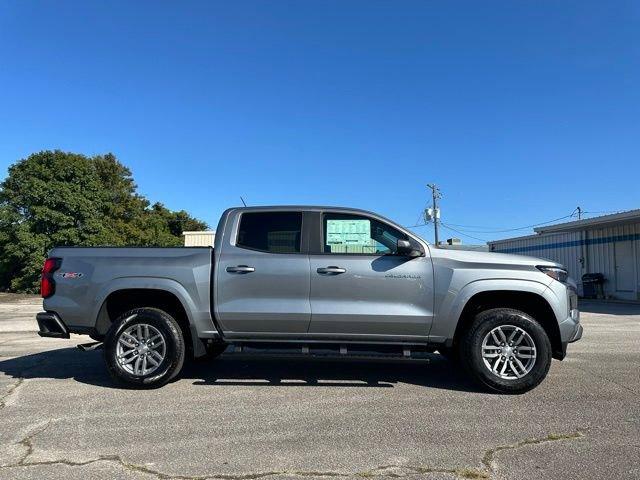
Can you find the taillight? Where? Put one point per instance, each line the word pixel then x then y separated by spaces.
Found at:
pixel 47 283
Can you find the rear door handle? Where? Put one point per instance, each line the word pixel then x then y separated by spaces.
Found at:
pixel 241 269
pixel 331 270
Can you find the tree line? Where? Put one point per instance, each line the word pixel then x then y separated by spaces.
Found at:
pixel 55 198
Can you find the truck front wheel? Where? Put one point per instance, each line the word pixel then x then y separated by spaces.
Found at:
pixel 144 348
pixel 506 350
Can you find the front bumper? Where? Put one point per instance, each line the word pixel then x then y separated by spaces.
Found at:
pixel 51 325
pixel 578 335
pixel 570 327
pixel 570 331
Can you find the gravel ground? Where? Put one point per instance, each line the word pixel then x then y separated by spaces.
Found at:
pixel 244 417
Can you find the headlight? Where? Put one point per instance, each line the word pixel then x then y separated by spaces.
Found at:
pixel 557 273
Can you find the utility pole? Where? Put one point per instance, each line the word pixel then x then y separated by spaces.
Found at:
pixel 435 193
pixel 579 213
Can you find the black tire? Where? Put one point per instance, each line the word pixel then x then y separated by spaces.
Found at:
pixel 471 350
pixel 174 357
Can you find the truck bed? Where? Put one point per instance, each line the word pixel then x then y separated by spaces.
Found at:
pixel 88 275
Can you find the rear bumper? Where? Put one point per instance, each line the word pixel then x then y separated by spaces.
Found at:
pixel 50 325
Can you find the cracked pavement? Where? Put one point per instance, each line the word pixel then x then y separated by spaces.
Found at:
pixel 247 416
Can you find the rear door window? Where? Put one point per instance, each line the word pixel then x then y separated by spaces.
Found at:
pixel 272 232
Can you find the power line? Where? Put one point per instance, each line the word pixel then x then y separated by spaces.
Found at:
pixel 466 232
pixel 420 216
pixel 417 225
pixel 582 213
pixel 448 228
pixel 462 233
pixel 510 229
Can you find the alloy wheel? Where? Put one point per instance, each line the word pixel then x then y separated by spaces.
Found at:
pixel 509 352
pixel 141 349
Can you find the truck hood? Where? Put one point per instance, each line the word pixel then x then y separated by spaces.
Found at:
pixel 491 258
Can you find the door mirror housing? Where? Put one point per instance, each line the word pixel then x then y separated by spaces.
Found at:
pixel 405 248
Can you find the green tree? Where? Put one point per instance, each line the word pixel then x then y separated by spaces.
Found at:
pixel 55 198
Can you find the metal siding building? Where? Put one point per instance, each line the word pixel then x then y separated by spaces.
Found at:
pixel 609 245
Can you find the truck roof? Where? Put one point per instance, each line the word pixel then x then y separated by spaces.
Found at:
pixel 320 208
pixel 302 207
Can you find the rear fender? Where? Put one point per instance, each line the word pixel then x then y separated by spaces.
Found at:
pixel 198 314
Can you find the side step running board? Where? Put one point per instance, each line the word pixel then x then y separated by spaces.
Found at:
pixel 329 350
pixel 87 347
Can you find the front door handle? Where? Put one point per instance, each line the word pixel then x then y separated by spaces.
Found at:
pixel 241 269
pixel 331 270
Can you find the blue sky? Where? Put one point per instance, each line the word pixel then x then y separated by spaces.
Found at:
pixel 519 110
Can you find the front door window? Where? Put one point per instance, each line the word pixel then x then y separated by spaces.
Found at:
pixel 355 234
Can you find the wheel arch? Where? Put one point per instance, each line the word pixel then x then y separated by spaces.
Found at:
pixel 530 302
pixel 123 298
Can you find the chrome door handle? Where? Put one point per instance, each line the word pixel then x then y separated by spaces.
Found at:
pixel 331 270
pixel 241 269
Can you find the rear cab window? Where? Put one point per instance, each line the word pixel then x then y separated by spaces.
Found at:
pixel 271 232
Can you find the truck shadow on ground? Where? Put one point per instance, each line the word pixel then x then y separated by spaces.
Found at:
pixel 256 370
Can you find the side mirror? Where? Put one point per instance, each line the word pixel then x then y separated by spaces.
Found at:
pixel 404 248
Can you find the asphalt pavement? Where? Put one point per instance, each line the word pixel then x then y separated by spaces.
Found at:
pixel 249 416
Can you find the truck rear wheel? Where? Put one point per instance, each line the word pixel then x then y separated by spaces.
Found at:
pixel 506 350
pixel 144 348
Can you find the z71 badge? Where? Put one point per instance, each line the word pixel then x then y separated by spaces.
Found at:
pixel 70 275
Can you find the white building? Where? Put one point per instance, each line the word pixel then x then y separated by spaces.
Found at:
pixel 199 239
pixel 608 244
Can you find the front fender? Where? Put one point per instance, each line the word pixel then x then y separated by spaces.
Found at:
pixel 450 309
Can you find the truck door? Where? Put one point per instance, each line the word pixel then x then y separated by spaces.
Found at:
pixel 262 275
pixel 359 286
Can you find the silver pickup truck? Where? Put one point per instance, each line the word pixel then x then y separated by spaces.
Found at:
pixel 312 278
